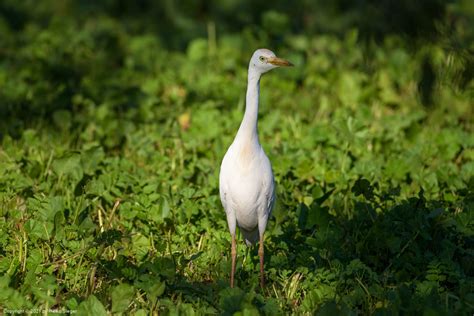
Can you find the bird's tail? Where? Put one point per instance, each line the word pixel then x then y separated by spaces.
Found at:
pixel 250 236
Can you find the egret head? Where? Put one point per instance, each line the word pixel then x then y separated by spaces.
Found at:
pixel 264 60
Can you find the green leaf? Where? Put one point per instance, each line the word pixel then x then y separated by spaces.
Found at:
pixel 91 306
pixel 91 159
pixel 197 50
pixel 141 246
pixel 349 88
pixel 152 285
pixel 318 215
pixel 62 119
pixel 363 187
pixel 59 222
pixel 275 22
pixel 303 212
pixel 11 298
pixel 165 208
pixel 39 229
pixel 122 295
pixel 69 164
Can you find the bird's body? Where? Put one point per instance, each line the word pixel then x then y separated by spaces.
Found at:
pixel 246 183
pixel 247 187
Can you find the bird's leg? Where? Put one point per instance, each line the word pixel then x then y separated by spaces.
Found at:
pixel 233 253
pixel 260 254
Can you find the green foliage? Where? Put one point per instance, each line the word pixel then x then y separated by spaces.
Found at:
pixel 111 144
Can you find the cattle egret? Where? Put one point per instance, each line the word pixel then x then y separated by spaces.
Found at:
pixel 246 185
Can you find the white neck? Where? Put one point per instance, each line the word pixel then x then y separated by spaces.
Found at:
pixel 248 127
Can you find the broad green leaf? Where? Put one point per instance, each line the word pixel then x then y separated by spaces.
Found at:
pixel 91 306
pixel 121 295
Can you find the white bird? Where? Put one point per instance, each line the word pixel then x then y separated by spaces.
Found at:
pixel 246 185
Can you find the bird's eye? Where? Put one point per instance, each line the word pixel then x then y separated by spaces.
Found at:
pixel 262 59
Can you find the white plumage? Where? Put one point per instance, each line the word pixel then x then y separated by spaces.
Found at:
pixel 246 185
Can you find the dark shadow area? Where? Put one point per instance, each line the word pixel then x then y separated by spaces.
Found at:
pixel 178 22
pixel 412 252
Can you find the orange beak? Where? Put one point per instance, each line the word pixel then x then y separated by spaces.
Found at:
pixel 279 62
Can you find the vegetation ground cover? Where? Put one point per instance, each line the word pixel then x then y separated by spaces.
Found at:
pixel 111 142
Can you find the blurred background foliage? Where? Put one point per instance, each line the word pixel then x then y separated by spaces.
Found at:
pixel 115 115
pixel 51 50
